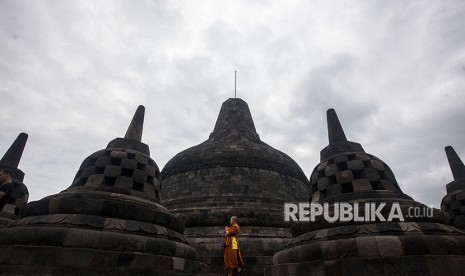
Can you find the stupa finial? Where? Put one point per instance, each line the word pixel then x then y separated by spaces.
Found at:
pixel 335 131
pixel 13 155
pixel 235 116
pixel 136 127
pixel 338 142
pixel 456 164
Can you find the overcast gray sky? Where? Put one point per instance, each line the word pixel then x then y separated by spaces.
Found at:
pixel 73 72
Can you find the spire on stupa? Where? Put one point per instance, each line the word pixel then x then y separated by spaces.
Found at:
pixel 338 142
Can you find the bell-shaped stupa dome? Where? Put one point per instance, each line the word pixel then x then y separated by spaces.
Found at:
pixel 418 242
pixel 454 202
pixel 233 173
pixel 110 221
pixel 234 142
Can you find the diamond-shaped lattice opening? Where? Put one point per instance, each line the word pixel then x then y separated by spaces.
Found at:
pixel 376 185
pixel 109 181
pixel 140 166
pixel 351 157
pixel 358 174
pixel 127 172
pixel 115 161
pixel 314 188
pixel 138 186
pixel 99 170
pixel 347 188
pixel 342 166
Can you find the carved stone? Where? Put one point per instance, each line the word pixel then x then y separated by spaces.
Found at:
pixel 110 221
pixel 417 246
pixel 233 173
pixel 20 195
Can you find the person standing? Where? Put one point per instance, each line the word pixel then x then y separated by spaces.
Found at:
pixel 6 187
pixel 232 253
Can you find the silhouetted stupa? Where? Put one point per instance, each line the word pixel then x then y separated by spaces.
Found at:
pixel 110 221
pixel 454 202
pixel 20 194
pixel 233 173
pixel 416 246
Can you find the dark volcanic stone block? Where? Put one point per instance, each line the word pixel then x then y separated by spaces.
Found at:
pixel 51 236
pixel 362 185
pixel 377 165
pixel 5 253
pixel 81 238
pixel 366 247
pixel 332 190
pixel 341 159
pixel 129 164
pixel 124 182
pixel 103 161
pixel 140 176
pixel 87 171
pixel 344 176
pixel 112 171
pixel 323 183
pixel 371 174
pixel 95 180
pixel 355 165
pixel 414 245
pixel 331 169
pixel 389 246
pixel 346 248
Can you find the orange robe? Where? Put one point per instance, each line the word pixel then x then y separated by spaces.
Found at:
pixel 232 257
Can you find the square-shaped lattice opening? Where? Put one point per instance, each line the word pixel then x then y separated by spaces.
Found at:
pixel 342 166
pixel 332 179
pixel 127 172
pixel 376 185
pixel 347 188
pixel 140 166
pixel 115 161
pixel 109 181
pixel 138 186
pixel 99 170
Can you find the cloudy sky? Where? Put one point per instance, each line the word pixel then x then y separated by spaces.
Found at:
pixel 73 72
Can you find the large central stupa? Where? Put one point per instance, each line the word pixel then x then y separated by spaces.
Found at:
pixel 233 173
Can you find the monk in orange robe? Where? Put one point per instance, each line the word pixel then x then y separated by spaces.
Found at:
pixel 232 254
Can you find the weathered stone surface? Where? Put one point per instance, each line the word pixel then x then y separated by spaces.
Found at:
pixel 362 185
pixel 377 248
pixel 234 173
pixel 110 221
pixel 454 202
pixel 20 195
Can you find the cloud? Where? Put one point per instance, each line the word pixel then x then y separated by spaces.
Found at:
pixel 73 73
